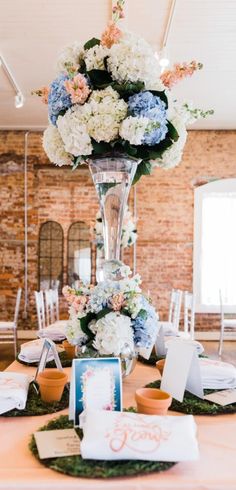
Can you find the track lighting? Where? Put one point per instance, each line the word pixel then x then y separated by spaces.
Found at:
pixel 19 98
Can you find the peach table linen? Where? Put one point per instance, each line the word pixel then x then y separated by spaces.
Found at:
pixel 215 470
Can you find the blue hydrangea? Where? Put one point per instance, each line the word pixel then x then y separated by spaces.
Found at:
pixel 58 98
pixel 145 325
pixel 146 104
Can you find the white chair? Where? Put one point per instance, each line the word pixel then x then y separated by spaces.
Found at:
pixel 189 316
pixel 171 327
pixel 40 309
pixel 49 307
pixel 226 323
pixel 8 330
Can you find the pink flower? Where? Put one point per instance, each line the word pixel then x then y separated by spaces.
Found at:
pixel 78 89
pixel 111 35
pixel 180 71
pixel 79 303
pixel 117 301
pixel 69 294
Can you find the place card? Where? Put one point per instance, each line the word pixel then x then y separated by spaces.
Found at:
pixel 223 397
pixel 57 443
pixel 182 370
pixel 95 383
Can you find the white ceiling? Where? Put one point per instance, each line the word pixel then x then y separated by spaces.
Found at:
pixel 33 31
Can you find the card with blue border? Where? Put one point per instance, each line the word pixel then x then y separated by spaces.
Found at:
pixel 95 383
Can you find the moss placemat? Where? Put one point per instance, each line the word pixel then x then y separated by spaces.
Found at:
pixel 65 361
pixel 90 468
pixel 35 406
pixel 193 405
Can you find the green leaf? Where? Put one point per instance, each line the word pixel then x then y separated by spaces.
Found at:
pixel 128 88
pixel 99 78
pixel 129 149
pixel 84 324
pixel 103 313
pixel 142 314
pixel 174 135
pixel 100 148
pixel 162 96
pixel 144 168
pixel 91 43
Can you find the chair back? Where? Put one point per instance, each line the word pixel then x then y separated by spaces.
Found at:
pixel 55 304
pixel 40 309
pixel 189 313
pixel 17 307
pixel 49 307
pixel 175 307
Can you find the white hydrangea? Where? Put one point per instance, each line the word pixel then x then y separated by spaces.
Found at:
pixel 131 285
pixel 70 56
pixel 173 155
pixel 113 332
pixel 74 333
pixel 54 147
pixel 73 130
pixel 132 129
pixel 94 57
pixel 134 305
pixel 132 59
pixel 107 111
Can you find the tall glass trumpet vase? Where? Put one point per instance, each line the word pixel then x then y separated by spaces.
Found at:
pixel 112 177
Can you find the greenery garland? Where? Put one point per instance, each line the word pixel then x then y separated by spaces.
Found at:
pixel 90 468
pixel 193 405
pixel 65 361
pixel 154 358
pixel 36 406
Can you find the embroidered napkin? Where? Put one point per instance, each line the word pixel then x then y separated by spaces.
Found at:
pixel 55 331
pixel 13 390
pixel 31 351
pixel 124 435
pixel 217 375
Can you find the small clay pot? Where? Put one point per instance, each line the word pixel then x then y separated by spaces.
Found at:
pixel 69 349
pixel 152 401
pixel 160 365
pixel 51 384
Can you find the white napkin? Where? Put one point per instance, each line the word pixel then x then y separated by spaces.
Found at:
pixel 217 375
pixel 31 351
pixel 55 331
pixel 123 435
pixel 13 390
pixel 199 347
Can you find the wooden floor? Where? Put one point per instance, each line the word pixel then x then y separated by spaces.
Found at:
pixel 211 349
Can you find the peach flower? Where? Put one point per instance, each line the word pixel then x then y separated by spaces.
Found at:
pixel 117 301
pixel 78 89
pixel 111 35
pixel 180 71
pixel 79 303
pixel 42 92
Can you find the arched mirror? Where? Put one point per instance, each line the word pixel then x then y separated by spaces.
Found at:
pixel 50 255
pixel 79 253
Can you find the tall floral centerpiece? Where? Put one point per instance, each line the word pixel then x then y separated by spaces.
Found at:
pixel 110 107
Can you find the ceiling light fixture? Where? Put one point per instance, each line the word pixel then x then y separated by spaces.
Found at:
pixel 19 98
pixel 164 60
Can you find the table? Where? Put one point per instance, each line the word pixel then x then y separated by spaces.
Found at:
pixel 215 470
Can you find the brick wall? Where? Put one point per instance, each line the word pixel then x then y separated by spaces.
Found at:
pixel 164 208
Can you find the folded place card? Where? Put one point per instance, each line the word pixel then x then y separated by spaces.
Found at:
pixel 57 443
pixel 95 383
pixel 182 370
pixel 224 397
pixel 127 436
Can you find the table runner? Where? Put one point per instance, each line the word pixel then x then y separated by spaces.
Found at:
pixel 215 470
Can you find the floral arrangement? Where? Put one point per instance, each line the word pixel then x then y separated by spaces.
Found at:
pixel 128 234
pixel 109 96
pixel 111 315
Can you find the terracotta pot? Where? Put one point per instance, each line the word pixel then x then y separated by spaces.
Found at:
pixel 160 365
pixel 69 349
pixel 51 384
pixel 152 401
